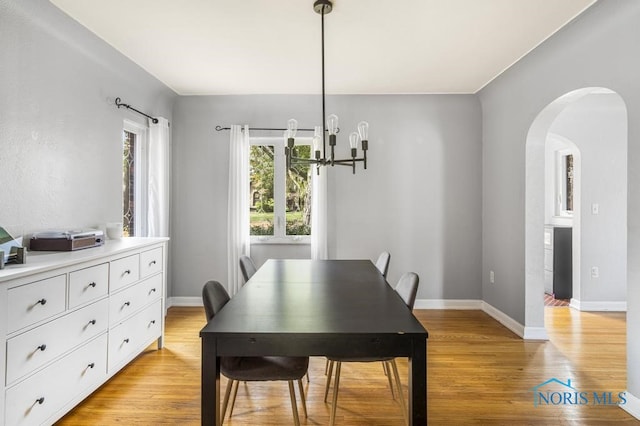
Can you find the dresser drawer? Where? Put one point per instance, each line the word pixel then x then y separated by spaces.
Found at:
pixel 132 299
pixel 33 349
pixel 88 284
pixel 34 302
pixel 36 399
pixel 133 335
pixel 150 262
pixel 123 272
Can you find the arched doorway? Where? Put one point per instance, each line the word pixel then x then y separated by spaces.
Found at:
pixel 587 286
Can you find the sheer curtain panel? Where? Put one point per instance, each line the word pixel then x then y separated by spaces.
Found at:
pixel 159 177
pixel 238 241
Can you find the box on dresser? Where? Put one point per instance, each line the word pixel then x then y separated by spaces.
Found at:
pixel 73 319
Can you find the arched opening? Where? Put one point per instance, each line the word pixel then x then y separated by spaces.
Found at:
pixel 595 121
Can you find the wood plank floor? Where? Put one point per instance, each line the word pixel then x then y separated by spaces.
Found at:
pixel 478 373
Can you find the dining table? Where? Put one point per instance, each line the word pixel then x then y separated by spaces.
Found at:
pixel 302 307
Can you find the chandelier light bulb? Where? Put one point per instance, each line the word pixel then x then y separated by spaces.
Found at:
pixel 354 138
pixel 332 124
pixel 292 127
pixel 363 130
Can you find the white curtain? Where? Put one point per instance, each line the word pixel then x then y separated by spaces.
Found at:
pixel 319 211
pixel 238 240
pixel 159 178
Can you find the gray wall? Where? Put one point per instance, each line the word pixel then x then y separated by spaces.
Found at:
pixel 419 198
pixel 597 50
pixel 60 136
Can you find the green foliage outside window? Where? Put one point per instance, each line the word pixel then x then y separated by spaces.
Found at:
pixel 297 192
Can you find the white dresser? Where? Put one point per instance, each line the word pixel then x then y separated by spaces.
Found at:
pixel 70 320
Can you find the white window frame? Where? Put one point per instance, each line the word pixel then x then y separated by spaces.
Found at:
pixel 279 198
pixel 141 196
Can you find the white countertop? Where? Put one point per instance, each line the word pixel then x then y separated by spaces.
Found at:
pixel 42 261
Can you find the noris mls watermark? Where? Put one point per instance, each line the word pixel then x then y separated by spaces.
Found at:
pixel 556 392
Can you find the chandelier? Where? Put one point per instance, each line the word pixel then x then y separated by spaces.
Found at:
pixel 329 125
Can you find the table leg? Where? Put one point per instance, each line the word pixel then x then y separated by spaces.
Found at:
pixel 418 383
pixel 210 383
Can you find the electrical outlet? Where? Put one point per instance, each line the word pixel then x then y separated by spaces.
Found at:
pixel 595 272
pixel 492 277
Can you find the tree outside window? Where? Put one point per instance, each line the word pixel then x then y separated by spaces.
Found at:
pixel 280 199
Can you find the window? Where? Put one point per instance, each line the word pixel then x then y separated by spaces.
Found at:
pixel 564 183
pixel 134 179
pixel 280 199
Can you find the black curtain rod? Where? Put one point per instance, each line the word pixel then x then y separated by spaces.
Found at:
pixel 219 128
pixel 120 104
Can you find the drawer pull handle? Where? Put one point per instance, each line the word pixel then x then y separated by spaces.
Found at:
pixel 153 290
pixel 128 271
pixel 42 347
pixel 127 304
pixel 92 284
pixel 93 364
pixel 153 321
pixel 126 340
pixel 41 302
pixel 92 322
pixel 153 262
pixel 40 400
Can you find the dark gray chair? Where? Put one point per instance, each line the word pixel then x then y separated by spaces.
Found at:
pixel 407 289
pixel 253 369
pixel 247 267
pixel 383 263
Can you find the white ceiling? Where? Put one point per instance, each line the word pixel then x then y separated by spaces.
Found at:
pixel 207 47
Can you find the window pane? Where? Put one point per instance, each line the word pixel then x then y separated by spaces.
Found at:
pixel 569 182
pixel 128 184
pixel 298 194
pixel 261 189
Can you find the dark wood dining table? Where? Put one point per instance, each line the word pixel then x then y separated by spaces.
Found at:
pixel 315 308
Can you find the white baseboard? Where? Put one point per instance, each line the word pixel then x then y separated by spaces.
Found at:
pixel 526 333
pixel 460 304
pixel 184 301
pixel 598 306
pixel 632 406
pixel 504 319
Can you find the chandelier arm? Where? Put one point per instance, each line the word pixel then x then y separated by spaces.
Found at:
pixel 348 161
pixel 296 160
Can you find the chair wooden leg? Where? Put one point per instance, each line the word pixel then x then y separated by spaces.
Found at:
pixel 233 396
pixel 386 367
pixel 326 388
pixel 226 399
pixel 399 386
pixel 334 404
pixel 294 406
pixel 326 367
pixel 308 377
pixel 302 398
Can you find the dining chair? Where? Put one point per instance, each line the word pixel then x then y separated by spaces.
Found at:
pixel 247 267
pixel 407 289
pixel 383 263
pixel 253 369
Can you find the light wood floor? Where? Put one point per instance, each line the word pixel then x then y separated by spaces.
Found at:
pixel 478 373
